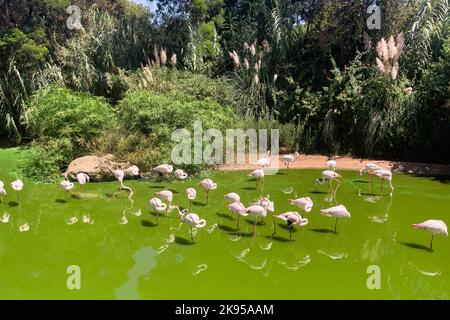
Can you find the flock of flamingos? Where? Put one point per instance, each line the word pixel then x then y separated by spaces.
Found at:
pixel 163 203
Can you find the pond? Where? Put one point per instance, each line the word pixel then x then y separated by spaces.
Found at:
pixel 147 258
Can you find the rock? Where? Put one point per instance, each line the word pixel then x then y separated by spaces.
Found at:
pixel 97 168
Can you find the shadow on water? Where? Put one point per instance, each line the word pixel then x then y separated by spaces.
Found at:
pixel 319 192
pixel 252 222
pixel 249 188
pixel 416 246
pixel 184 241
pixel 156 187
pixel 199 204
pixel 13 203
pixel 361 181
pixel 368 194
pixel 173 191
pixel 225 216
pixel 149 224
pixel 278 238
pixel 323 231
pixel 280 173
pixel 61 201
pixel 285 227
pixel 226 228
pixel 241 234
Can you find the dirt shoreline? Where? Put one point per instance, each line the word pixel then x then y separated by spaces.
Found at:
pixel 349 163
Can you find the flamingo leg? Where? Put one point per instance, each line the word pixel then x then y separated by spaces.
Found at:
pixel 207 197
pixel 335 225
pixel 274 227
pixel 190 205
pixel 254 227
pixel 371 178
pixel 382 182
pixel 431 242
pixel 192 236
pixel 237 225
pixel 290 232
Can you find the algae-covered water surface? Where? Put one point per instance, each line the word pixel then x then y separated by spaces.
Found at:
pixel 125 252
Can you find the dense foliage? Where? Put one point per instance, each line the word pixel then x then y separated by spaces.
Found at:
pixel 311 68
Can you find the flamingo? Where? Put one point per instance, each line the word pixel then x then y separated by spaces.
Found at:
pixel 180 174
pixel 332 165
pixel 328 175
pixel 133 171
pixel 17 186
pixel 259 175
pixel 289 158
pixel 207 185
pixel 238 209
pixel 369 168
pixel 336 212
pixel 3 192
pixel 266 204
pixel 434 227
pixel 120 175
pixel 82 179
pixel 191 195
pixel 384 175
pixel 158 206
pixel 191 219
pixel 306 204
pixel 292 218
pixel 264 162
pixel 164 169
pixel 66 185
pixel 232 197
pixel 256 211
pixel 167 195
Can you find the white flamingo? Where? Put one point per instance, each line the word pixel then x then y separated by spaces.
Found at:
pixel 336 212
pixel 132 171
pixel 287 159
pixel 191 219
pixel 258 174
pixel 435 227
pixel 66 185
pixel 384 175
pixel 306 204
pixel 164 169
pixel 191 194
pixel 329 176
pixel 332 165
pixel 120 176
pixel 82 179
pixel 368 168
pixel 3 192
pixel 238 209
pixel 291 218
pixel 207 185
pixel 266 204
pixel 167 195
pixel 180 174
pixel 256 211
pixel 264 162
pixel 232 197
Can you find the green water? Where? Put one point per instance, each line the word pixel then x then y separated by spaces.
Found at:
pixel 148 260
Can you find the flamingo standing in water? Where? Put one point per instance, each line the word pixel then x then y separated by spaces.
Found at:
pixel 238 209
pixel 384 175
pixel 368 168
pixel 232 197
pixel 264 162
pixel 434 227
pixel 291 218
pixel 158 206
pixel 3 192
pixel 191 219
pixel 82 179
pixel 256 211
pixel 167 195
pixel 327 175
pixel 17 186
pixel 66 185
pixel 259 176
pixel 306 204
pixel 289 158
pixel 191 195
pixel 164 169
pixel 120 175
pixel 266 204
pixel 180 174
pixel 336 212
pixel 133 171
pixel 332 165
pixel 207 185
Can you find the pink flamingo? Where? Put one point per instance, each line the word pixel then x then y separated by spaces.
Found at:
pixel 368 168
pixel 164 169
pixel 336 212
pixel 180 174
pixel 332 165
pixel 167 195
pixel 191 219
pixel 17 186
pixel 238 209
pixel 207 185
pixel 158 206
pixel 289 158
pixel 384 175
pixel 133 171
pixel 266 204
pixel 256 211
pixel 3 192
pixel 120 175
pixel 232 197
pixel 264 162
pixel 66 185
pixel 259 176
pixel 82 179
pixel 191 195
pixel 434 227
pixel 306 204
pixel 292 218
pixel 327 175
